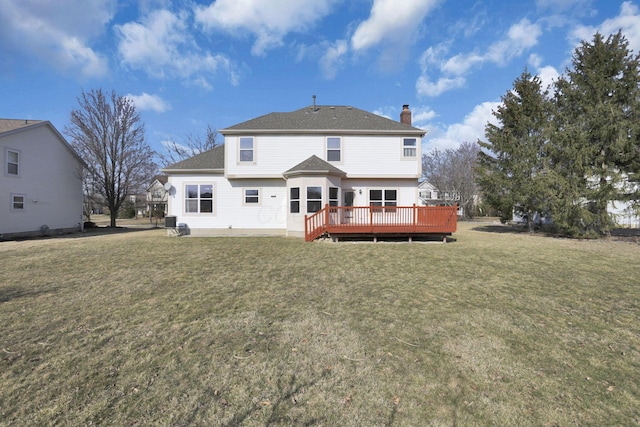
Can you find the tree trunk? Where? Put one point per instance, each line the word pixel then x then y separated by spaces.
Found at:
pixel 530 222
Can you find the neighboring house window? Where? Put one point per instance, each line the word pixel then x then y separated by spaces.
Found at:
pixel 13 162
pixel 198 198
pixel 409 147
pixel 17 202
pixel 251 196
pixel 294 200
pixel 383 198
pixel 333 196
pixel 334 149
pixel 314 199
pixel 246 149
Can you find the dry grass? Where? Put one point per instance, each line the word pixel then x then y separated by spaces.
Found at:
pixel 494 329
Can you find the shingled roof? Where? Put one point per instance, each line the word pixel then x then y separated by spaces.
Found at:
pixel 314 165
pixel 324 118
pixel 209 161
pixel 7 125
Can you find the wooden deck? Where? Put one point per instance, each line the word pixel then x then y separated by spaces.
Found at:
pixel 337 221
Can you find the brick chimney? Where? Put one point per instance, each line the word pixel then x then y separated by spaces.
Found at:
pixel 405 115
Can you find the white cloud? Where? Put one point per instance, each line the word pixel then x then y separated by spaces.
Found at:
pixel 470 130
pixel 58 34
pixel 628 21
pixel 520 37
pixel 422 115
pixel 424 87
pixel 461 63
pixel 391 19
pixel 149 102
pixel 548 74
pixel 269 21
pixel 161 46
pixel 332 57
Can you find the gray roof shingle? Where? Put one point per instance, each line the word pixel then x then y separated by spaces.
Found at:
pixel 7 125
pixel 314 164
pixel 208 160
pixel 323 118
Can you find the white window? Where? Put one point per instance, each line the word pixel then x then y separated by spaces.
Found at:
pixel 294 200
pixel 17 202
pixel 383 198
pixel 314 199
pixel 198 198
pixel 13 162
pixel 409 147
pixel 247 149
pixel 334 149
pixel 251 196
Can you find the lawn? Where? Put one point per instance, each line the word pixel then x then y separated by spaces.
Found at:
pixel 495 328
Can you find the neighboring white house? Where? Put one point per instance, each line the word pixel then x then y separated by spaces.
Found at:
pixel 156 197
pixel 275 169
pixel 429 195
pixel 40 183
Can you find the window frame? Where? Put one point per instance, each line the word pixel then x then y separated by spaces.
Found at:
pixel 199 199
pixel 294 200
pixel 406 147
pixel 14 202
pixel 384 201
pixel 329 149
pixel 334 199
pixel 242 150
pixel 7 161
pixel 257 196
pixel 309 200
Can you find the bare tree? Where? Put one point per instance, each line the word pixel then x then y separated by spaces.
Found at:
pixel 108 134
pixel 192 145
pixel 452 172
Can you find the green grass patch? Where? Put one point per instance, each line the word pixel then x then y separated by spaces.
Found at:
pixel 493 329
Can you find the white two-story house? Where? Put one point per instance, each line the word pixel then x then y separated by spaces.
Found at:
pixel 275 169
pixel 41 180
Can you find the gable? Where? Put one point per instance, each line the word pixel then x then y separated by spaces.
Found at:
pixel 10 127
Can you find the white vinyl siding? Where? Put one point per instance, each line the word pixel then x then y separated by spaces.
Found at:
pixel 47 189
pixel 361 156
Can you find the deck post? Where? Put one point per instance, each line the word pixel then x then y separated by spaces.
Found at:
pixel 415 218
pixel 306 228
pixel 326 215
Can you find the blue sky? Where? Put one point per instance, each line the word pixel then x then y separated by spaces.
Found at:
pixel 189 64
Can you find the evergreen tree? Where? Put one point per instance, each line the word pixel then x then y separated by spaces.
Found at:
pixel 595 140
pixel 513 165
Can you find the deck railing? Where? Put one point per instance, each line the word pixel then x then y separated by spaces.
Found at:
pixel 381 220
